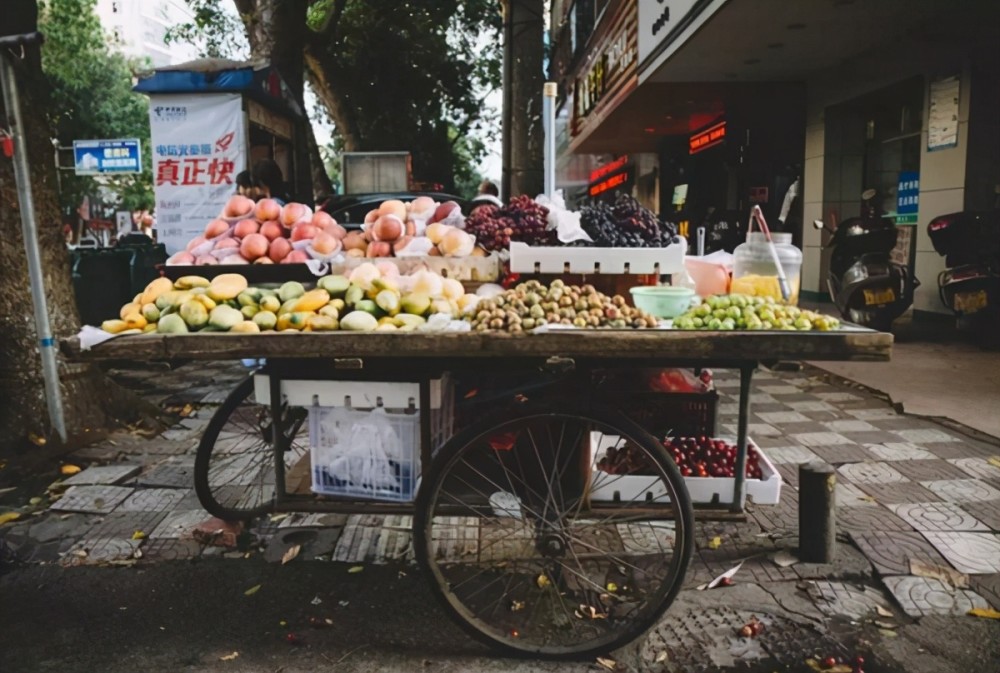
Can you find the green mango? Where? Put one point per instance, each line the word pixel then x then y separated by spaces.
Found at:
pixel 336 285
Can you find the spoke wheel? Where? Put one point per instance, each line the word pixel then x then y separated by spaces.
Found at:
pixel 522 556
pixel 234 474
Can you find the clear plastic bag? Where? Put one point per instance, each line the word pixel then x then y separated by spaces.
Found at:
pixel 566 223
pixel 365 456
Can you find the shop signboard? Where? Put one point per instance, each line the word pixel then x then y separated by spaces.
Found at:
pixel 610 68
pixel 199 145
pixel 662 22
pixel 609 176
pixel 103 157
pixel 710 137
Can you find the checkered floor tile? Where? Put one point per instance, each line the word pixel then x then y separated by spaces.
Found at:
pixel 870 473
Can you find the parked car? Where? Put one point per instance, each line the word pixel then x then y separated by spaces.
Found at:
pixel 350 209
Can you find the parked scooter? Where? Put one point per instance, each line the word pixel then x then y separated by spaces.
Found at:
pixel 970 286
pixel 867 287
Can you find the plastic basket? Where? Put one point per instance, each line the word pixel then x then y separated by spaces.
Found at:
pixel 673 414
pixel 328 429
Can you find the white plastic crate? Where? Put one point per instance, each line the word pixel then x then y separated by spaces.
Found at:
pixel 338 470
pixel 703 490
pixel 565 259
pixel 335 407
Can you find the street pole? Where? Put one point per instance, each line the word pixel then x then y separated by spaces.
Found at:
pixel 523 55
pixel 22 180
pixel 550 92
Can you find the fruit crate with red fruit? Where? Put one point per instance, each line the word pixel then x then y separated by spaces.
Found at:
pixel 706 463
pixel 666 402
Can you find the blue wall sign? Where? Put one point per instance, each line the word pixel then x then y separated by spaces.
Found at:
pixel 99 157
pixel 907 197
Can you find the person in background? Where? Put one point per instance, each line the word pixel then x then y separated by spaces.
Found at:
pixel 488 194
pixel 268 182
pixel 244 183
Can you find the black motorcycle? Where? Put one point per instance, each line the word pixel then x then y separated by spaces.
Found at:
pixel 867 287
pixel 970 286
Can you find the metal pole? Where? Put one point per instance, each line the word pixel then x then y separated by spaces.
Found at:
pixel 550 90
pixel 22 179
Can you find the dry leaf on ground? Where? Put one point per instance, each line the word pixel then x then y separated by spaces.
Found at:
pixel 290 553
pixel 252 590
pixel 949 576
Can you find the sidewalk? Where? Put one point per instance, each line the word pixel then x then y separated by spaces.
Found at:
pixel 909 490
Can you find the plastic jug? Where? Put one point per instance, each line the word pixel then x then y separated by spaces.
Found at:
pixel 754 272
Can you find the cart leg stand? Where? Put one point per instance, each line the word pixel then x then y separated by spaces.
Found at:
pixel 740 476
pixel 817 512
pixel 278 435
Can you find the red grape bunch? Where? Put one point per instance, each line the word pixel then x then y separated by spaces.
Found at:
pixel 520 220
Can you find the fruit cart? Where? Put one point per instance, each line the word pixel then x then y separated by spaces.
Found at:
pixel 528 545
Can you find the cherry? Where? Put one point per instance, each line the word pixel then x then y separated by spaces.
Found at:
pixel 829 662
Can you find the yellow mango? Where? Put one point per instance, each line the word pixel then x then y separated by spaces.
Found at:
pixel 226 286
pixel 300 319
pixel 270 303
pixel 114 326
pixel 129 308
pixel 150 327
pixel 135 320
pixel 313 300
pixel 247 326
pixel 321 323
pixel 285 323
pixel 189 282
pixel 150 313
pixel 155 289
pixel 205 301
pixel 330 311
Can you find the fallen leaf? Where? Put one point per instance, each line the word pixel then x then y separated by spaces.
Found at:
pixel 229 657
pixel 785 559
pixel 278 517
pixel 715 542
pixel 290 553
pixel 138 535
pixel 950 577
pixel 661 657
pixel 316 600
pixel 542 581
pixel 33 501
pixel 609 664
pixel 985 613
pixel 7 517
pixel 994 461
pixel 882 624
pixel 355 569
pixel 252 590
pixel 37 440
pixel 883 612
pixel 724 576
pixel 68 470
pixel 887 633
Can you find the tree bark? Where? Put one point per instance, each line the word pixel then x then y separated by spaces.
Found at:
pixel 91 401
pixel 523 141
pixel 277 32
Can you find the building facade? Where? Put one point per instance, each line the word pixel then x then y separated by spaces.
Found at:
pixel 727 103
pixel 138 28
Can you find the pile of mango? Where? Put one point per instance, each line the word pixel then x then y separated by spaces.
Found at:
pixel 227 303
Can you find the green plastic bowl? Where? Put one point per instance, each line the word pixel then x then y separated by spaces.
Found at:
pixel 662 301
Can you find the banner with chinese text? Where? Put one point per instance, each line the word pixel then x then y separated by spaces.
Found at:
pixel 199 145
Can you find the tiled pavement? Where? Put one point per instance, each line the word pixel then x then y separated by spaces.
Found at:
pixel 908 489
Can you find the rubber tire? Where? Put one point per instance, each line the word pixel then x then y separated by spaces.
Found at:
pixel 602 414
pixel 203 459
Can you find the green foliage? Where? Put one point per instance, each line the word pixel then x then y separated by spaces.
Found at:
pixel 393 74
pixel 91 97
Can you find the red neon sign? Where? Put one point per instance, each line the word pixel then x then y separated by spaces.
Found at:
pixel 610 183
pixel 608 169
pixel 710 137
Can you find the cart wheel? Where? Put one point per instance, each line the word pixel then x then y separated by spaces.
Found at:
pixel 524 555
pixel 234 468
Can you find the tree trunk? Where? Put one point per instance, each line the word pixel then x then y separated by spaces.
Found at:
pixel 90 400
pixel 322 77
pixel 523 141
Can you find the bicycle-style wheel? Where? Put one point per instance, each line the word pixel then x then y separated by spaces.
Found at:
pixel 234 473
pixel 532 548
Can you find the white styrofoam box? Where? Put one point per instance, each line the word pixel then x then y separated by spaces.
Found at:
pixel 354 394
pixel 660 261
pixel 703 490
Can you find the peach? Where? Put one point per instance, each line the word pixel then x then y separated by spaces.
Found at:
pixel 378 249
pixel 216 228
pixel 296 257
pixel 244 228
pixel 436 231
pixel 355 252
pixel 422 208
pixel 254 246
pixel 293 213
pixel 393 207
pixel 183 257
pixel 279 249
pixel 322 219
pixel 206 259
pixel 387 228
pixel 371 216
pixel 336 230
pixel 325 244
pixel 444 210
pixel 238 206
pixel 194 243
pixel 263 260
pixel 267 209
pixel 355 240
pixel 302 231
pixel 271 230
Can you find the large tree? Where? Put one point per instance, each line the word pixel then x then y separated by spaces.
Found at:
pixel 391 74
pixel 91 401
